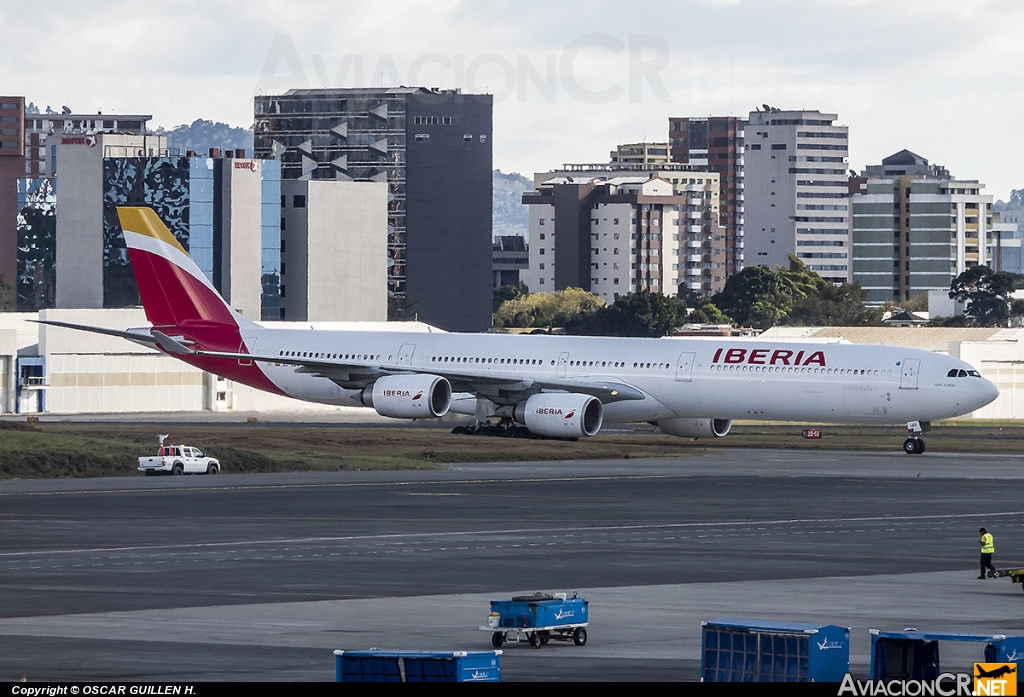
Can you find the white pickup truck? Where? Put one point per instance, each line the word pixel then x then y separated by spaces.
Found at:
pixel 179 459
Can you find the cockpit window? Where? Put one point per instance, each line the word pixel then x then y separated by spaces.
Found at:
pixel 961 373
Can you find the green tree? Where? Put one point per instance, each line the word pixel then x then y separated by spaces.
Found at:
pixel 545 309
pixel 633 314
pixel 760 297
pixel 708 314
pixel 987 294
pixel 503 293
pixel 756 296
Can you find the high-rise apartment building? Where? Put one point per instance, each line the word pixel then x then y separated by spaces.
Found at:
pixel 12 168
pixel 796 192
pixel 617 235
pixel 716 143
pixel 695 227
pixel 432 148
pixel 915 228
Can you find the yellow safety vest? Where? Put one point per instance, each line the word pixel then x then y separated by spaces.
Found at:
pixel 987 546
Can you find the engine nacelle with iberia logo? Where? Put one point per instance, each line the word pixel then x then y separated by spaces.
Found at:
pixel 561 415
pixel 409 396
pixel 695 428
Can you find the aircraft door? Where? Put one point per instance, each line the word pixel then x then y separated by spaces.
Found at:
pixel 684 367
pixel 405 354
pixel 242 348
pixel 563 361
pixel 911 367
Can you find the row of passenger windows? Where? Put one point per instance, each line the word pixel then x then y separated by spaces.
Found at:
pixel 538 361
pixel 500 361
pixel 954 373
pixel 331 356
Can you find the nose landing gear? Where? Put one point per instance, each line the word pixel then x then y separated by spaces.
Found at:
pixel 914 445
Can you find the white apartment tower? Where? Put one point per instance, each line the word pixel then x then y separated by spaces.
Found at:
pixel 796 192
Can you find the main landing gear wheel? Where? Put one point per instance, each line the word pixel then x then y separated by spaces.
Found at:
pixel 913 446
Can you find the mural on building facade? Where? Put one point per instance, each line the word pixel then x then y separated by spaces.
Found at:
pixel 36 286
pixel 160 183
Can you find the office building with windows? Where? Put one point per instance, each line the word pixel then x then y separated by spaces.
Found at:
pixel 716 143
pixel 432 150
pixel 510 260
pixel 640 153
pixel 44 131
pixel 796 192
pixel 225 211
pixel 915 228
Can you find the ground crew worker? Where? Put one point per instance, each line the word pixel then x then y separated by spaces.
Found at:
pixel 988 548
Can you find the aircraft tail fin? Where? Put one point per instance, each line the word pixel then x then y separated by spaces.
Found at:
pixel 173 289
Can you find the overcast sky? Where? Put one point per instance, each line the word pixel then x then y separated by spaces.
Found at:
pixel 571 80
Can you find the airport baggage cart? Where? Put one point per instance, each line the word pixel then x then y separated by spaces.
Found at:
pixel 1016 575
pixel 378 665
pixel 538 619
pixel 737 650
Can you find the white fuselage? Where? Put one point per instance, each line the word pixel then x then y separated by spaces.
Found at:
pixel 719 378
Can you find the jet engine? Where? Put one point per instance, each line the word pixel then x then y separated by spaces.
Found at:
pixel 561 415
pixel 695 428
pixel 408 396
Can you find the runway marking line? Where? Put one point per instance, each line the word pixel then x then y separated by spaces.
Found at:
pixel 600 529
pixel 343 485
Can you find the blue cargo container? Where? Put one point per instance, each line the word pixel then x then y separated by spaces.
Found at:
pixel 753 651
pixel 914 655
pixel 377 665
pixel 538 619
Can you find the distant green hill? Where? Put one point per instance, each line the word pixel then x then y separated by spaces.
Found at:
pixel 201 135
pixel 1016 202
pixel 509 215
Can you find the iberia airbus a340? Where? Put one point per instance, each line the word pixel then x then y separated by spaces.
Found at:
pixel 559 386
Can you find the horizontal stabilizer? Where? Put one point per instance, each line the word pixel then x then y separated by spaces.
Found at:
pixel 135 336
pixel 170 345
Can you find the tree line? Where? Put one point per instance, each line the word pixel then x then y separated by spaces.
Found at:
pixel 755 297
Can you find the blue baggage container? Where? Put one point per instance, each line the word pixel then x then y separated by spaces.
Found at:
pixel 752 651
pixel 914 655
pixel 377 665
pixel 538 619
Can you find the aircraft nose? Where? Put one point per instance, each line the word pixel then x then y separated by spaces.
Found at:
pixel 989 392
